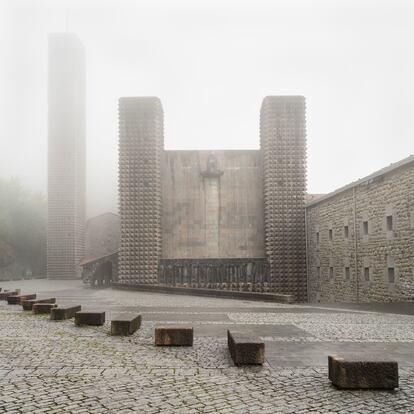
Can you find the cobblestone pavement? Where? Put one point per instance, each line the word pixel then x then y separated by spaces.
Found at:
pixel 56 367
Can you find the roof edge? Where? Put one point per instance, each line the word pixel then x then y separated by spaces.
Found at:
pixel 392 167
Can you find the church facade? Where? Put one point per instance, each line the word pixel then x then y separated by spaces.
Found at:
pixel 231 220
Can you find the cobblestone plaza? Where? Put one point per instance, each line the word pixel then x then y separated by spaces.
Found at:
pixel 55 367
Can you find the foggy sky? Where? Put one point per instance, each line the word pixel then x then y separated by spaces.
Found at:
pixel 211 63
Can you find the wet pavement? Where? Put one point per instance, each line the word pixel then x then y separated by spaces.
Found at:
pixel 55 367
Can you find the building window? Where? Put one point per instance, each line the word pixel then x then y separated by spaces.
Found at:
pixel 318 272
pixel 366 274
pixel 346 232
pixel 365 228
pixel 391 275
pixel 347 273
pixel 330 234
pixel 317 237
pixel 331 272
pixel 389 223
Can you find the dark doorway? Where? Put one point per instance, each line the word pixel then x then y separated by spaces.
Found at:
pixel 102 276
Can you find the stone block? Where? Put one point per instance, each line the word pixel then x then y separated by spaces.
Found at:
pixel 43 308
pixel 4 295
pixel 28 304
pixel 174 335
pixel 361 373
pixel 245 349
pixel 16 299
pixel 125 324
pixel 64 312
pixel 93 318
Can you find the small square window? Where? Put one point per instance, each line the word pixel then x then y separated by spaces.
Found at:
pixel 347 273
pixel 389 223
pixel 365 228
pixel 391 275
pixel 366 274
pixel 331 272
pixel 330 234
pixel 346 232
pixel 317 237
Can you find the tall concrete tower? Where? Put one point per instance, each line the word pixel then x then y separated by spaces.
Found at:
pixel 283 146
pixel 67 156
pixel 141 142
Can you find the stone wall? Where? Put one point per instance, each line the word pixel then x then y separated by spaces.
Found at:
pixel 365 250
pixel 212 214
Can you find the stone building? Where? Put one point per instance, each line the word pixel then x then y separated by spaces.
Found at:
pixel 214 219
pixel 66 156
pixel 360 239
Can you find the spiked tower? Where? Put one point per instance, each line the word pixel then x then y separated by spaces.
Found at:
pixel 283 146
pixel 141 141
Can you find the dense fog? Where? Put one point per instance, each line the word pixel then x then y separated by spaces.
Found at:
pixel 211 64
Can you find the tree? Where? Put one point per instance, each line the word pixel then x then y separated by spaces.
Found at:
pixel 23 225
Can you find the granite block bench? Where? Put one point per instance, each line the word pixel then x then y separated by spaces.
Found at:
pixel 28 304
pixel 93 318
pixel 61 313
pixel 174 335
pixel 361 373
pixel 245 349
pixel 125 324
pixel 16 299
pixel 43 308
pixel 4 295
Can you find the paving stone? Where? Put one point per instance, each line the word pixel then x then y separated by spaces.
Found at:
pixel 59 368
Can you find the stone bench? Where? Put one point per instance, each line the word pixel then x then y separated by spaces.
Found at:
pixel 43 308
pixel 245 349
pixel 28 304
pixel 174 335
pixel 16 299
pixel 125 324
pixel 4 295
pixel 93 318
pixel 360 373
pixel 64 312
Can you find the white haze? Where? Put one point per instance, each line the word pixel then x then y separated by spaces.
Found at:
pixel 211 63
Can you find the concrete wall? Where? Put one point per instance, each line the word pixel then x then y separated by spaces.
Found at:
pixel 368 257
pixel 215 215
